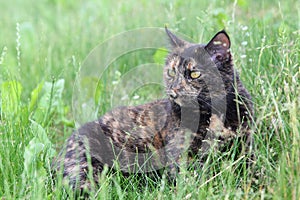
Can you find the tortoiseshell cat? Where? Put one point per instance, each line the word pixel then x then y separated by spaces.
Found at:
pixel 206 102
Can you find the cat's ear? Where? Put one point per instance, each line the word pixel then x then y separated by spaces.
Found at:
pixel 219 46
pixel 174 40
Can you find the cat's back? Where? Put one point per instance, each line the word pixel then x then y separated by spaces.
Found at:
pixel 130 128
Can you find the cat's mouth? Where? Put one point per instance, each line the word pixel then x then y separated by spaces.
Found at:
pixel 172 94
pixel 183 100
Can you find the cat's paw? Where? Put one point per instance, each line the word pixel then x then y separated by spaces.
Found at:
pixel 216 123
pixel 217 127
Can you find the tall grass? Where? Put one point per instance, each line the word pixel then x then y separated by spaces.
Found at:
pixel 43 44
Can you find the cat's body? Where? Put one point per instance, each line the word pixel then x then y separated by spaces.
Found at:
pixel 207 102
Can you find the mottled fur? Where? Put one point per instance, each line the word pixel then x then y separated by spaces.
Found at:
pixel 207 104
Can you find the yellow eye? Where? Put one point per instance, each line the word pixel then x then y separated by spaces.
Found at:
pixel 171 72
pixel 195 74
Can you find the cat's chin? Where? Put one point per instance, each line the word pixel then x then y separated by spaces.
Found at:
pixel 176 101
pixel 185 102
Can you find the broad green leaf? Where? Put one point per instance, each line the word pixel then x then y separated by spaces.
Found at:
pixel 40 133
pixel 31 154
pixel 242 3
pixel 34 96
pixel 160 55
pixel 37 155
pixel 52 93
pixel 10 97
pixel 49 101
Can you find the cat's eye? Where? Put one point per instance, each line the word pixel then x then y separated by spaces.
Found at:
pixel 171 72
pixel 195 74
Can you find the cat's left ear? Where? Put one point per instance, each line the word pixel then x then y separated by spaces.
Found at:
pixel 219 46
pixel 175 41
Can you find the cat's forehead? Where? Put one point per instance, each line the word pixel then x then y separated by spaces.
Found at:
pixel 194 51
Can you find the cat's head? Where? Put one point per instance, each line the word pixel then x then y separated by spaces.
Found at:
pixel 197 72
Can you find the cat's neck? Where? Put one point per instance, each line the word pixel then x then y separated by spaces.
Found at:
pixel 192 117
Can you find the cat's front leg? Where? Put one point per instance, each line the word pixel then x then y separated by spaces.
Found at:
pixel 176 145
pixel 217 135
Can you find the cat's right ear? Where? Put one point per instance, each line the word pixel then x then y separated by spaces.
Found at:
pixel 174 40
pixel 219 46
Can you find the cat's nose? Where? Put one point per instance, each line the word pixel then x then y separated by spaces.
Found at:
pixel 173 94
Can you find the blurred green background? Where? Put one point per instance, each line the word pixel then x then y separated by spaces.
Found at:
pixel 43 44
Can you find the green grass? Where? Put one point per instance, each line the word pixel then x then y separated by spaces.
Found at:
pixel 43 44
